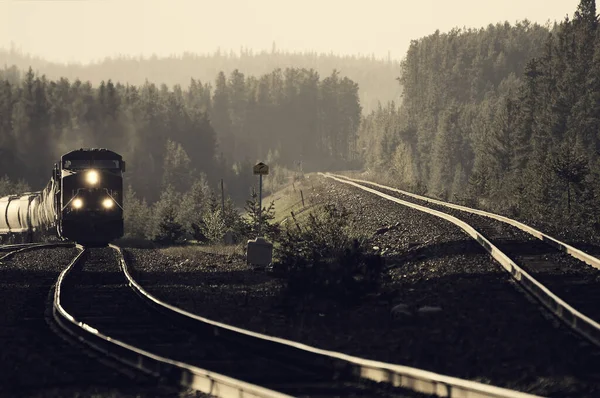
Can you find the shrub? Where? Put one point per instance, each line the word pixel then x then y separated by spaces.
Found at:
pixel 234 222
pixel 192 208
pixel 214 226
pixel 271 231
pixel 136 215
pixel 177 217
pixel 169 231
pixel 324 258
pixel 163 225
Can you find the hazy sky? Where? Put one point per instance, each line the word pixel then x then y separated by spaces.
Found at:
pixel 88 30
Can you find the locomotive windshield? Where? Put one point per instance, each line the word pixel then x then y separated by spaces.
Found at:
pixel 95 163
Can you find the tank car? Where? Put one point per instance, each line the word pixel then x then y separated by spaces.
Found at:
pixel 83 202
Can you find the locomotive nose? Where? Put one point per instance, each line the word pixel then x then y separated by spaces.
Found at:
pixel 93 199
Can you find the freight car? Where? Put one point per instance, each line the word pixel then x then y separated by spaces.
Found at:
pixel 82 202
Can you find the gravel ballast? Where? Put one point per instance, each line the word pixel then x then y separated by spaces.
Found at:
pixel 460 314
pixel 569 278
pixel 35 361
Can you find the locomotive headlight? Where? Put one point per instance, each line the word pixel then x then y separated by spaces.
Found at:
pixel 92 177
pixel 77 203
pixel 108 203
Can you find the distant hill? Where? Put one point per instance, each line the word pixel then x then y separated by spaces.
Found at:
pixel 376 77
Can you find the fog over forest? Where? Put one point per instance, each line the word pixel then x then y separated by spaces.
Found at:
pixel 89 31
pixel 376 77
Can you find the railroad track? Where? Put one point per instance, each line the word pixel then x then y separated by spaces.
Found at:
pixel 97 293
pixel 5 248
pixel 36 362
pixel 7 251
pixel 561 277
pixel 95 298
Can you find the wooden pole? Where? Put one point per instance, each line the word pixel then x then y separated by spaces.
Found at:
pixel 222 198
pixel 259 203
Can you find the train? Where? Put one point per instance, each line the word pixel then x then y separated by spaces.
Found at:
pixel 82 202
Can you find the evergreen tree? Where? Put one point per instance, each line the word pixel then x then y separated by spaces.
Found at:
pixel 571 169
pixel 136 215
pixel 194 207
pixel 220 117
pixel 164 227
pixel 260 217
pixel 177 172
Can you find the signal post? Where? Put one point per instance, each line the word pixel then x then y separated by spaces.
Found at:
pixel 259 251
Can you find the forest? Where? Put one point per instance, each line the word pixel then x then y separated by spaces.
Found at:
pixel 375 77
pixel 290 118
pixel 505 118
pixel 179 143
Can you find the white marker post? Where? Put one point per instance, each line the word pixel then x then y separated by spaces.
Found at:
pixel 259 251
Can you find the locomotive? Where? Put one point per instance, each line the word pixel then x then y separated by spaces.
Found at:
pixel 82 202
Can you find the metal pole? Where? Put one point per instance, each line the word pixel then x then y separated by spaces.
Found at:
pixel 259 203
pixel 222 198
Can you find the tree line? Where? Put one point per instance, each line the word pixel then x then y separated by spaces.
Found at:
pixel 505 118
pixel 375 76
pixel 170 136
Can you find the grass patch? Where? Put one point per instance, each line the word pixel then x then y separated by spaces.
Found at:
pixel 289 199
pixel 186 250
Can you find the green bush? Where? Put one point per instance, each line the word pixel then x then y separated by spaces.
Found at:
pixel 267 215
pixel 177 217
pixel 324 258
pixel 169 231
pixel 214 226
pixel 137 215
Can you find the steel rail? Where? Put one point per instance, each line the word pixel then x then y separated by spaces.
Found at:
pixel 396 375
pixel 174 371
pixel 573 251
pixel 16 246
pixel 14 249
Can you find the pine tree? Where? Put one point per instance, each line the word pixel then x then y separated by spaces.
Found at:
pixel 237 113
pixel 136 215
pixel 164 227
pixel 220 117
pixel 194 205
pixel 526 119
pixel 177 172
pixel 446 149
pixel 571 168
pixel 500 146
pixel 169 230
pixel 264 217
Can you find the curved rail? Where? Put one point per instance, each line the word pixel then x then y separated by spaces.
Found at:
pixel 177 372
pixel 16 246
pixel 396 375
pixel 582 324
pixel 14 249
pixel 577 253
